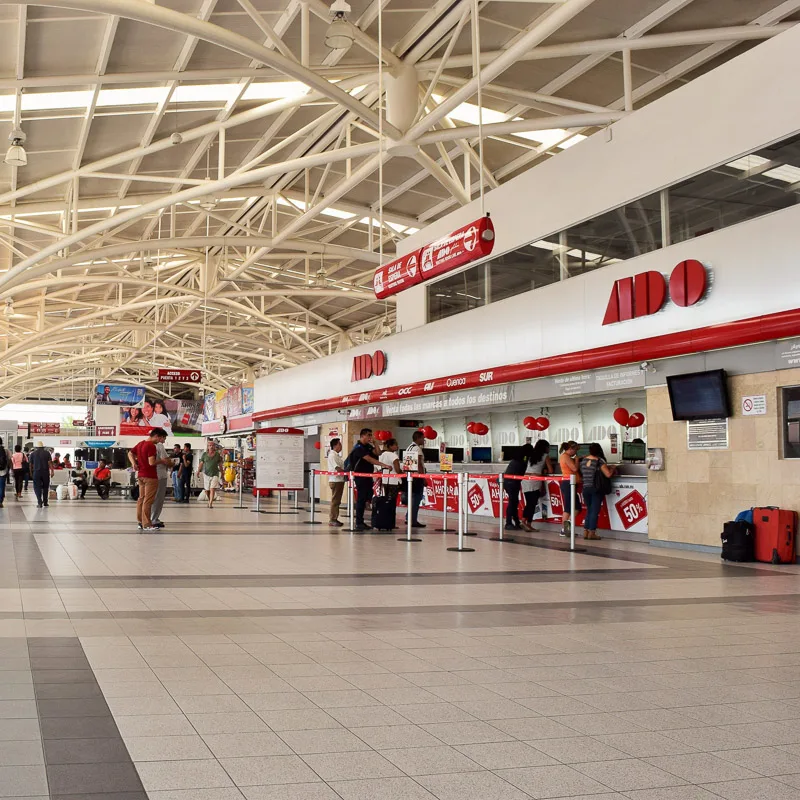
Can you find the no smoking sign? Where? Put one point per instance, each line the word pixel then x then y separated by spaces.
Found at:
pixel 754 405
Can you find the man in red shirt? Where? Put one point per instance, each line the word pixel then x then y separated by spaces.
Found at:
pixel 143 458
pixel 102 479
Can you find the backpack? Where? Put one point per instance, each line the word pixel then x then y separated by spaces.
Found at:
pixel 602 483
pixel 3 459
pixel 352 460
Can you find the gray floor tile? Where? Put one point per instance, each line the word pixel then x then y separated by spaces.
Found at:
pixel 754 789
pixel 708 739
pixel 505 755
pixel 166 748
pixel 471 786
pixel 433 760
pixel 476 732
pixel 80 727
pixel 164 775
pixel 422 713
pixel 351 766
pixel 104 778
pixel 382 737
pixel 14 730
pixel 702 768
pixel 211 704
pixel 337 740
pixel 20 754
pixel 18 709
pixel 23 780
pixel 243 722
pixel 629 774
pixel 277 701
pixel 233 745
pixel 599 724
pixel 547 782
pixel 196 794
pixel 269 770
pixel 672 793
pixel 343 698
pixel 768 734
pixel 579 749
pixel 365 716
pixel 295 791
pixel 299 720
pixel 157 725
pixel 534 728
pixel 85 751
pixel 372 789
pixel 557 706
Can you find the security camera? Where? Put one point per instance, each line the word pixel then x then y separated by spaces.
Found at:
pixel 647 366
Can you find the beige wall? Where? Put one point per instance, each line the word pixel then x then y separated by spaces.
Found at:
pixel 698 491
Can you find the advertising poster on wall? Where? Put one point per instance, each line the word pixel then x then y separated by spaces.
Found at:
pixel 233 402
pixel 279 458
pixel 112 394
pixel 248 399
pixel 174 416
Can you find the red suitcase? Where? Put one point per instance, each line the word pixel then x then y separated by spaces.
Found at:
pixel 775 532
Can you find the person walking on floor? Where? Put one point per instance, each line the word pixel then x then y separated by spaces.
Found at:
pixel 187 459
pixel 41 466
pixel 592 496
pixel 163 462
pixel 363 458
pixel 209 467
pixel 414 455
pixel 175 470
pixel 19 462
pixel 539 465
pixel 143 459
pixel 335 482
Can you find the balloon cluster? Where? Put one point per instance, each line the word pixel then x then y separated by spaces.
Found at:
pixel 317 446
pixel 478 428
pixel 383 436
pixel 429 433
pixel 536 423
pixel 628 420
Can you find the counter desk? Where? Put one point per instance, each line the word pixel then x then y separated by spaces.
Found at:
pixel 624 510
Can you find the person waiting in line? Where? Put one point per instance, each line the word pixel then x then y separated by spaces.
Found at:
pixel 569 462
pixel 364 459
pixel 187 459
pixel 163 461
pixel 512 486
pixel 175 472
pixel 389 457
pixel 539 465
pixel 414 455
pixel 41 466
pixel 80 477
pixel 19 462
pixel 143 460
pixel 335 482
pixel 591 495
pixel 209 466
pixel 102 479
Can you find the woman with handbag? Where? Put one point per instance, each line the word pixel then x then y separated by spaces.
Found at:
pixel 596 475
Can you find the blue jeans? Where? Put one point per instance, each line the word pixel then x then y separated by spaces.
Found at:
pixel 3 480
pixel 177 489
pixel 594 502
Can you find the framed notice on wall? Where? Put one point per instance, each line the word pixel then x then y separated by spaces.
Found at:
pixel 279 458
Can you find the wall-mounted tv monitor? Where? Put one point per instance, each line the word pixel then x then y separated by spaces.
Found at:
pixel 634 451
pixel 431 455
pixel 481 455
pixel 699 395
pixel 457 453
pixel 554 454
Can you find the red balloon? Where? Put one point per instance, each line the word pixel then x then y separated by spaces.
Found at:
pixel 431 434
pixel 481 429
pixel 621 416
pixel 530 423
pixel 636 420
pixel 317 445
pixel 470 427
pixel 542 423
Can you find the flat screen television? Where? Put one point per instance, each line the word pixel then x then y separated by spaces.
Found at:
pixel 634 451
pixel 481 455
pixel 699 395
pixel 457 453
pixel 431 455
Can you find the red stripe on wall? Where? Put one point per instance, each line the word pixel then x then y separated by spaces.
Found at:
pixel 714 337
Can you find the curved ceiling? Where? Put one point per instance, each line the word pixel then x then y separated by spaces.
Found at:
pixel 209 186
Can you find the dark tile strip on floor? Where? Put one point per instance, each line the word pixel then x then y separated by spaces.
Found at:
pixel 85 756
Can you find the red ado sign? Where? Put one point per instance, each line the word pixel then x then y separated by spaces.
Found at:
pixel 367 366
pixel 180 375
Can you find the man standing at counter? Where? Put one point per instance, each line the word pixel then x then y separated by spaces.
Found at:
pixel 415 457
pixel 363 458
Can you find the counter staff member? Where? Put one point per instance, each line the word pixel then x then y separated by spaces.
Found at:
pixel 417 488
pixel 363 458
pixel 335 482
pixel 570 465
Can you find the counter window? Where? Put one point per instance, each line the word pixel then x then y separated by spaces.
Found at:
pixel 790 421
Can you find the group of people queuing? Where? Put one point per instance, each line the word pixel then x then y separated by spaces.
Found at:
pixel 534 460
pixel 153 465
pixel 365 459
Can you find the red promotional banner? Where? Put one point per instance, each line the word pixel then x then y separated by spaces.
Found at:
pixel 470 243
pixel 108 430
pixel 45 427
pixel 397 275
pixel 180 375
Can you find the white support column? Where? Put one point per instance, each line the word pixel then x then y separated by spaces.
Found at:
pixel 627 79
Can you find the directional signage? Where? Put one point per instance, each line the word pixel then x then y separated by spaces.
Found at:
pixel 180 375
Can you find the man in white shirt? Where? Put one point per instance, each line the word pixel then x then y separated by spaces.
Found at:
pixel 414 453
pixel 391 485
pixel 335 482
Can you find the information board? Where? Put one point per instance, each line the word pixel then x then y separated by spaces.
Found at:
pixel 280 458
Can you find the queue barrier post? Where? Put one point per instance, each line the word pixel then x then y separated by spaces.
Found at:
pixel 444 528
pixel 350 502
pixel 311 521
pixel 573 496
pixel 408 537
pixel 462 513
pixel 466 506
pixel 500 537
pixel 280 506
pixel 241 479
pixel 257 509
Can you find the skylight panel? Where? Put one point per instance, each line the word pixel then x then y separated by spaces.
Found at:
pixel 785 172
pixel 471 114
pixel 206 93
pixel 142 95
pixel 275 90
pixel 746 163
pixel 41 101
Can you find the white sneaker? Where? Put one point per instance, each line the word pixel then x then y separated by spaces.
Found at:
pixel 149 530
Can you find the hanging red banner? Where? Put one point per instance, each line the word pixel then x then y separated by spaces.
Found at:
pixel 470 243
pixel 397 275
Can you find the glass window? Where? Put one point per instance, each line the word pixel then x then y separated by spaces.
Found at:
pixel 624 232
pixel 530 267
pixel 745 188
pixel 790 421
pixel 457 293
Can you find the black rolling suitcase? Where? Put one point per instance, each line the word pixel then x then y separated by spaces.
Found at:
pixel 384 513
pixel 738 541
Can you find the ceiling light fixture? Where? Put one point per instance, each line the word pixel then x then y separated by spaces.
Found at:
pixel 339 35
pixel 16 155
pixel 8 311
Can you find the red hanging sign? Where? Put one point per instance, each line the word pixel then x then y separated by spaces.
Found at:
pixel 180 375
pixel 470 243
pixel 397 275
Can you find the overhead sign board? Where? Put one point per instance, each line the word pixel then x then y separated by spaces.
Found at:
pixel 180 375
pixel 397 275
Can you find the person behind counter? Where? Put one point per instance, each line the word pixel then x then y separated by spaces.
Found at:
pixel 538 464
pixel 570 465
pixel 592 494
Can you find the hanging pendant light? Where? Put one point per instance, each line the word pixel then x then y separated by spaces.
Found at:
pixel 339 35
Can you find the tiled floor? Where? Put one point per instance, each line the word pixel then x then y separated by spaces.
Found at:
pixel 252 656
